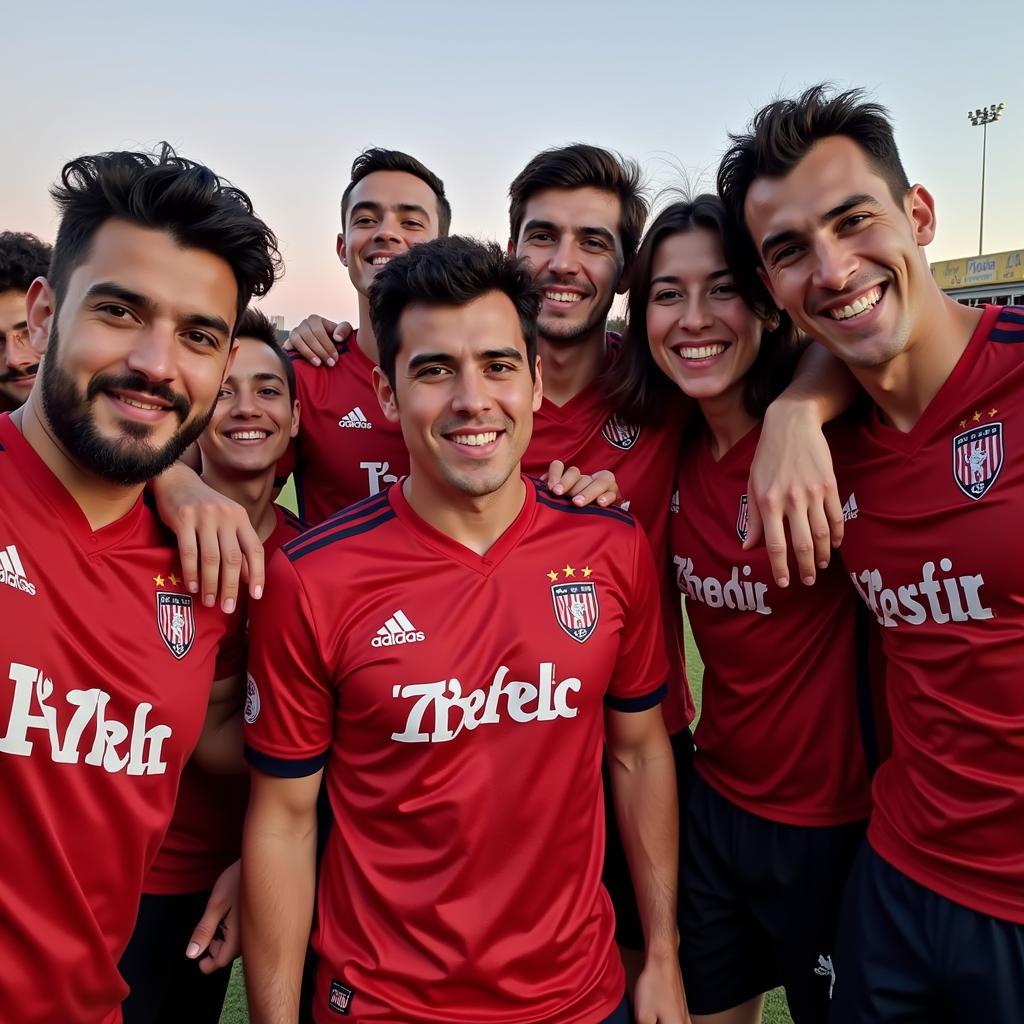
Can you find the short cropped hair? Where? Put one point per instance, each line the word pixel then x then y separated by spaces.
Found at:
pixel 583 166
pixel 167 192
pixel 782 133
pixel 642 393
pixel 449 272
pixel 23 258
pixel 254 323
pixel 374 159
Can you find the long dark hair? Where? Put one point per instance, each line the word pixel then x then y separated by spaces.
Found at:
pixel 641 392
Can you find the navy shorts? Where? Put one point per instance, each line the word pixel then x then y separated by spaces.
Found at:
pixel 622 1014
pixel 907 954
pixel 628 929
pixel 758 906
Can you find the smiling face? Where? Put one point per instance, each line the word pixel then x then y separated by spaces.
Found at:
pixel 388 212
pixel 841 255
pixel 18 361
pixel 136 352
pixel 703 336
pixel 572 242
pixel 254 418
pixel 464 395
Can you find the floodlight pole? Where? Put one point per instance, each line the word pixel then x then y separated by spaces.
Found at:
pixel 984 116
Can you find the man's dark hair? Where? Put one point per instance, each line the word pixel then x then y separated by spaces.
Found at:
pixel 782 133
pixel 23 258
pixel 583 166
pixel 449 272
pixel 642 393
pixel 162 190
pixel 254 323
pixel 374 159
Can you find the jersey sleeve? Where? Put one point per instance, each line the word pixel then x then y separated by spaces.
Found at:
pixel 640 678
pixel 289 705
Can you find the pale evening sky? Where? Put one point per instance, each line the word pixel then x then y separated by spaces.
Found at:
pixel 280 99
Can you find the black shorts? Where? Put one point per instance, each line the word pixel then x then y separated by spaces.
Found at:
pixel 167 987
pixel 758 906
pixel 907 954
pixel 628 929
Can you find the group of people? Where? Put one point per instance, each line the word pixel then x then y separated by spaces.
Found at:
pixel 435 763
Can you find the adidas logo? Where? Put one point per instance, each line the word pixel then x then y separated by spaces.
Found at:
pixel 674 505
pixel 397 630
pixel 12 572
pixel 850 509
pixel 355 419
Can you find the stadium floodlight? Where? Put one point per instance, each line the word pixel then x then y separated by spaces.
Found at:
pixel 984 116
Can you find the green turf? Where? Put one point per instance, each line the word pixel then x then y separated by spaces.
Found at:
pixel 775 1010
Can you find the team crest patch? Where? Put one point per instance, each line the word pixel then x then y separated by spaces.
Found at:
pixel 576 608
pixel 339 999
pixel 742 518
pixel 176 622
pixel 618 432
pixel 978 458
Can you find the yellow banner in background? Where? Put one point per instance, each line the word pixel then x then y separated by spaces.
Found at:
pixel 999 268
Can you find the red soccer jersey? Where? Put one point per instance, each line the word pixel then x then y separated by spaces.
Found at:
pixel 457 702
pixel 779 733
pixel 346 449
pixel 933 545
pixel 205 834
pixel 584 432
pixel 108 664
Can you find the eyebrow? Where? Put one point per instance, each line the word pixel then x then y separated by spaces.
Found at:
pixel 672 279
pixel 861 199
pixel 111 290
pixel 444 359
pixel 378 208
pixel 583 230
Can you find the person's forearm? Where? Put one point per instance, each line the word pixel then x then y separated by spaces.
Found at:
pixel 820 382
pixel 278 881
pixel 646 804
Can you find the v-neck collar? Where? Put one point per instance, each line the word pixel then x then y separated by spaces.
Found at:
pixel 483 564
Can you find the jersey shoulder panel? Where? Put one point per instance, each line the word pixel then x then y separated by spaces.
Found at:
pixel 563 504
pixel 354 521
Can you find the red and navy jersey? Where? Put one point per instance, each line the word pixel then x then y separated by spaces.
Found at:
pixel 205 834
pixel 779 731
pixel 107 663
pixel 933 544
pixel 346 449
pixel 587 433
pixel 457 703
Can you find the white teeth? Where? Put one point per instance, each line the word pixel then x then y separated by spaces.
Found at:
pixel 380 261
pixel 864 303
pixel 248 435
pixel 701 351
pixel 475 440
pixel 562 296
pixel 139 405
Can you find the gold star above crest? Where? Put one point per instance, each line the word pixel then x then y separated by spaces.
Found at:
pixel 553 576
pixel 174 579
pixel 992 412
pixel 569 570
pixel 587 571
pixel 963 424
pixel 158 580
pixel 976 417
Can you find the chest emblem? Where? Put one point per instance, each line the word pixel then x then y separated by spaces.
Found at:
pixel 978 458
pixel 616 431
pixel 742 519
pixel 576 608
pixel 176 621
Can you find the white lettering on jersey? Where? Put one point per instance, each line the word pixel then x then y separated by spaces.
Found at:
pixel 115 747
pixel 741 595
pixel 377 474
pixel 454 711
pixel 948 598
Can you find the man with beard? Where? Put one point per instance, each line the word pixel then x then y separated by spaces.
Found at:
pixel 23 258
pixel 108 660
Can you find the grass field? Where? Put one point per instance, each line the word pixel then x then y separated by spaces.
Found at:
pixel 775 1010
